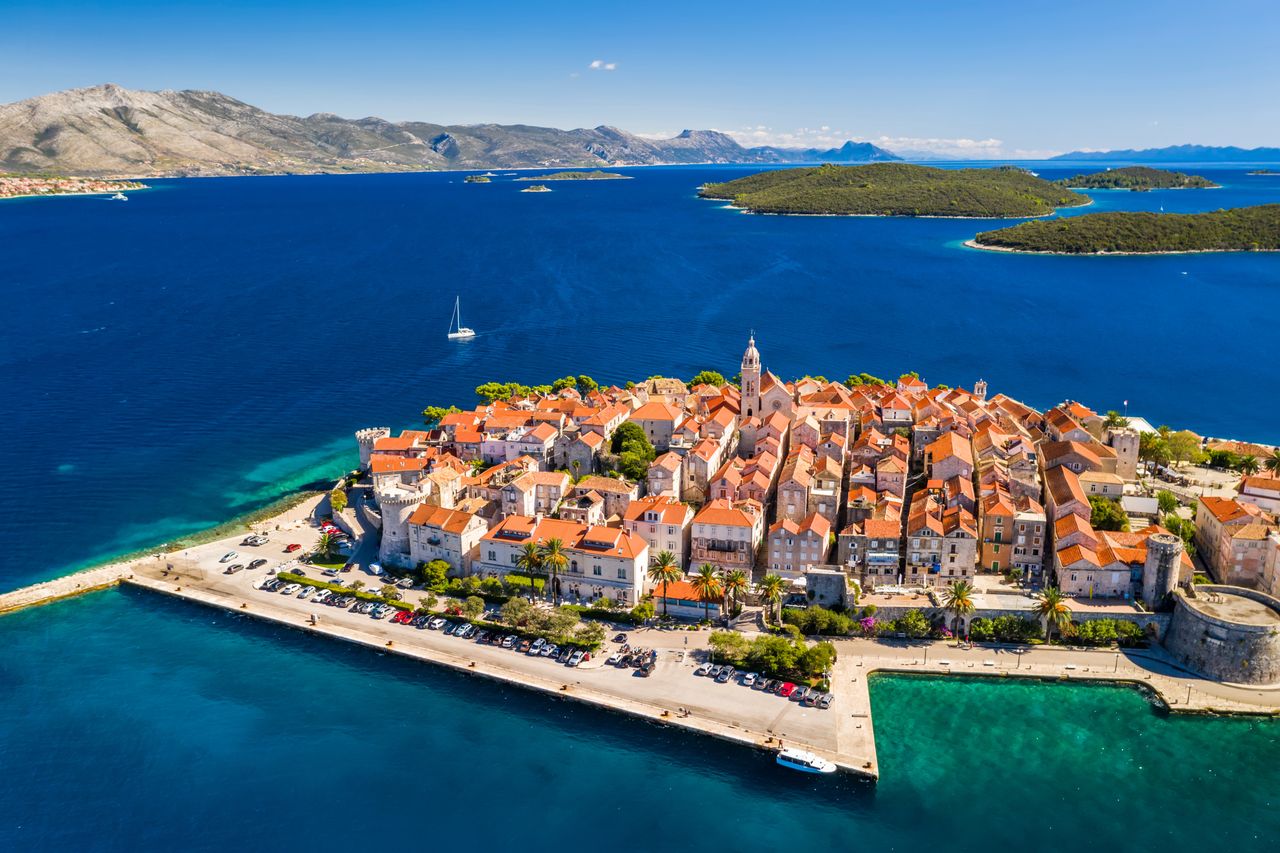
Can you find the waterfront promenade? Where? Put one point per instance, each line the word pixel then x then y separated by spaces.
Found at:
pixel 672 695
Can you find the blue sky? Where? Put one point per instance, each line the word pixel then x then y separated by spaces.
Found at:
pixel 994 78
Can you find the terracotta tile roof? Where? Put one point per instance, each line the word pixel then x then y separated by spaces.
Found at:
pixel 738 514
pixel 449 520
pixel 948 445
pixel 1227 510
pixel 657 410
pixel 380 463
pixel 605 485
pixel 670 510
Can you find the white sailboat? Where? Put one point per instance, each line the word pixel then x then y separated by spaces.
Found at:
pixel 456 329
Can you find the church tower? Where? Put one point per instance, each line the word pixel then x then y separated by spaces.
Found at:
pixel 751 380
pixel 980 390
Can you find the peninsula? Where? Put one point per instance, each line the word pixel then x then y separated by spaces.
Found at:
pixel 20 186
pixel 577 176
pixel 1242 229
pixel 735 558
pixel 896 189
pixel 1137 179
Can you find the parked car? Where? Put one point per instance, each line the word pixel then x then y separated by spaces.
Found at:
pixel 509 641
pixel 253 564
pixel 725 675
pixel 702 669
pixel 549 650
pixel 482 636
pixel 825 702
pixel 749 679
pixel 228 557
pixel 620 638
pixel 799 693
pixel 564 655
pixel 536 646
pixel 437 623
pixel 576 658
pixel 307 592
pixel 291 547
pixel 232 569
pixel 524 645
pixel 291 589
pixel 321 595
pixel 451 627
pixel 786 689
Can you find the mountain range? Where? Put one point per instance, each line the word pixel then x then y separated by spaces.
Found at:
pixel 1180 154
pixel 110 130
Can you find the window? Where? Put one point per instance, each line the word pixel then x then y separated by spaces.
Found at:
pixel 597 571
pixel 493 557
pixel 995 549
pixel 622 573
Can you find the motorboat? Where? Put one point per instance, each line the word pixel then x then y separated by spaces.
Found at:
pixel 805 762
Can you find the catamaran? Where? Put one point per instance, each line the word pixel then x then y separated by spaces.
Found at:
pixel 456 329
pixel 805 762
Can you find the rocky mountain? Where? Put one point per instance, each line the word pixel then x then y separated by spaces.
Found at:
pixel 110 130
pixel 1180 154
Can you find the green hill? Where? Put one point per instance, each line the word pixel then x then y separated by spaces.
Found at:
pixel 577 176
pixel 1137 178
pixel 896 189
pixel 1242 229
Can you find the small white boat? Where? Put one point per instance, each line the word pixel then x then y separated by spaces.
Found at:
pixel 456 329
pixel 805 762
pixel 119 197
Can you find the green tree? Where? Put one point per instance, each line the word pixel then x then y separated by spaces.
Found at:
pixel 515 611
pixel 472 606
pixel 663 570
pixel 356 585
pixel 1152 447
pixel 1053 610
pixel 424 606
pixel 555 561
pixel 914 624
pixel 736 584
pixel 586 385
pixel 770 590
pixel 1106 514
pixel 564 382
pixel 707 377
pixel 817 659
pixel 1167 500
pixel 434 574
pixel 327 546
pixel 530 562
pixel 708 585
pixel 728 647
pixel 1115 420
pixel 337 500
pixel 1184 446
pixel 590 634
pixel 773 655
pixel 389 592
pixel 1272 462
pixel 433 415
pixel 958 599
pixel 1248 465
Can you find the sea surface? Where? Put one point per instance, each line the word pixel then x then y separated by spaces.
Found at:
pixel 195 353
pixel 131 722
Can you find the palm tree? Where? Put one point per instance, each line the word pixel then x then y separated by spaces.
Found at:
pixel 665 569
pixel 555 561
pixel 959 600
pixel 770 589
pixel 1115 419
pixel 529 561
pixel 736 583
pixel 1248 465
pixel 327 546
pixel 708 585
pixel 1272 462
pixel 1052 607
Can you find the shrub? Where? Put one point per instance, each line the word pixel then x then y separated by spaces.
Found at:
pixel 818 620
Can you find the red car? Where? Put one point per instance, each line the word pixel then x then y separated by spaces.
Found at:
pixel 786 690
pixel 403 616
pixel 289 549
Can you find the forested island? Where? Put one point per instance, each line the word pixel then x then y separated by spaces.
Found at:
pixel 1138 179
pixel 896 189
pixel 577 176
pixel 1242 229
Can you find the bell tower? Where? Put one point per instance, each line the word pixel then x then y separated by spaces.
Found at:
pixel 751 380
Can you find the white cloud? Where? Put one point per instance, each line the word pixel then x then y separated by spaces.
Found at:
pixel 828 137
pixel 601 65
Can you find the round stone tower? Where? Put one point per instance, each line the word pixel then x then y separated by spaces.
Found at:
pixel 1160 573
pixel 396 506
pixel 367 438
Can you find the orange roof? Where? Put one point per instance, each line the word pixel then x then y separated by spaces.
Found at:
pixel 670 510
pixel 381 463
pixel 656 410
pixel 1226 510
pixel 950 444
pixel 450 520
pixel 738 514
pixel 882 528
pixel 678 591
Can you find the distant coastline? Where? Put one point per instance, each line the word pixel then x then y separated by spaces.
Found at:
pixel 974 244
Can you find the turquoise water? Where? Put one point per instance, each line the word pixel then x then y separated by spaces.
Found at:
pixel 132 722
pixel 174 361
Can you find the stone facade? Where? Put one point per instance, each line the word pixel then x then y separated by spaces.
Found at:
pixel 1210 635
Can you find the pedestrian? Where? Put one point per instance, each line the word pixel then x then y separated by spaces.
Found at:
pixel 686 639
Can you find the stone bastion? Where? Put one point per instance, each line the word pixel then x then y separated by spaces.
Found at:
pixel 1227 633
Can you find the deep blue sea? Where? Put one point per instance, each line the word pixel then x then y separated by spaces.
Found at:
pixel 194 353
